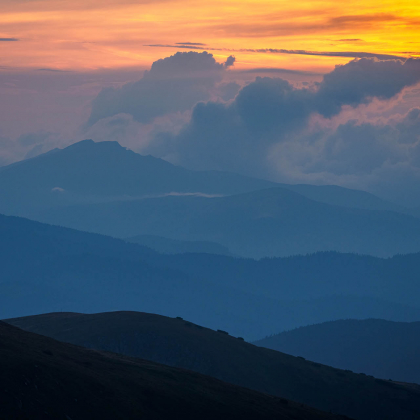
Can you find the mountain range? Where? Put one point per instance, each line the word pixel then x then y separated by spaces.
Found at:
pixel 105 188
pixel 50 269
pixel 269 222
pixel 98 172
pixel 177 342
pixel 176 246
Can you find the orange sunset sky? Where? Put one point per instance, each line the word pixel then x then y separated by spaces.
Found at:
pixel 93 34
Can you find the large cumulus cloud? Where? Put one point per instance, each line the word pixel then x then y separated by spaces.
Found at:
pixel 266 130
pixel 173 84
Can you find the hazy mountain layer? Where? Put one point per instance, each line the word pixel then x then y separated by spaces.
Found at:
pixel 180 343
pixel 97 172
pixel 381 348
pixel 87 171
pixel 270 222
pixel 345 197
pixel 49 269
pixel 174 246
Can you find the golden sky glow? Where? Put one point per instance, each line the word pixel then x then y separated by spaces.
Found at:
pixel 93 34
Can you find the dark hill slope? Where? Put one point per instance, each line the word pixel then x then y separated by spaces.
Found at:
pixel 180 343
pixel 45 379
pixel 377 347
pixel 269 222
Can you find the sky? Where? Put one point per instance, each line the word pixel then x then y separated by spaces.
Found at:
pixel 302 92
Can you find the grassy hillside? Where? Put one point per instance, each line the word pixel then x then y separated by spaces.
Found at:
pixel 45 379
pixel 183 344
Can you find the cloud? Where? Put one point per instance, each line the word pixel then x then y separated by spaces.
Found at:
pixel 278 24
pixel 173 84
pixel 350 40
pixel 9 39
pixel 364 18
pixel 190 43
pixel 260 70
pixel 359 81
pixel 178 46
pixel 31 139
pixel 268 129
pixel 230 61
pixel 382 157
pixel 349 54
pixel 53 70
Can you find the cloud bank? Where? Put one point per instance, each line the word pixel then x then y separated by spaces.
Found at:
pixel 173 84
pixel 268 130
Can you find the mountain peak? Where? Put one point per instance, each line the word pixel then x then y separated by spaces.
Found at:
pixel 89 144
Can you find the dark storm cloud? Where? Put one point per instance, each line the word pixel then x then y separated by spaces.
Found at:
pixel 173 84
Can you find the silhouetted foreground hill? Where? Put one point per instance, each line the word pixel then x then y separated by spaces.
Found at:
pixel 174 246
pixel 269 222
pixel 381 348
pixel 180 343
pixel 45 379
pixel 49 269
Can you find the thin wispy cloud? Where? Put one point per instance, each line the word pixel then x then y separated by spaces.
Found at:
pixel 190 43
pixel 348 54
pixel 280 71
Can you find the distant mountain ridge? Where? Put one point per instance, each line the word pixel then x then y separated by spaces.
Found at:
pixel 384 349
pixel 51 269
pixel 174 246
pixel 180 343
pixel 269 222
pixel 87 172
pixel 345 197
pixel 106 169
pixel 105 188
